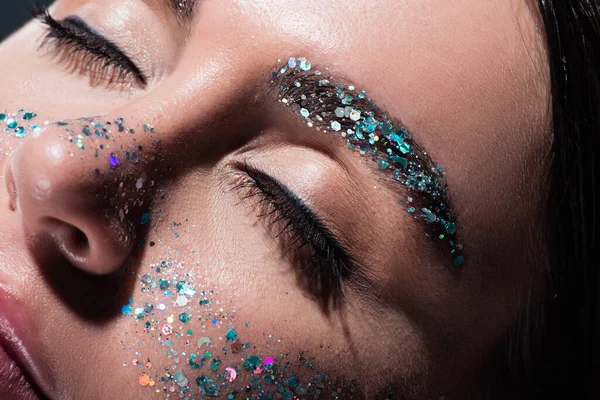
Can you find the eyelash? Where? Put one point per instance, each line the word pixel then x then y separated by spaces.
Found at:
pixel 85 54
pixel 322 262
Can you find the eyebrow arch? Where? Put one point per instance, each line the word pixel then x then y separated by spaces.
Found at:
pixel 335 106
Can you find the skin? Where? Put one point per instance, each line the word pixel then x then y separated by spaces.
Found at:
pixel 468 79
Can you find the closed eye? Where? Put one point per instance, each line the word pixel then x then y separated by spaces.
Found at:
pixel 322 263
pixel 87 52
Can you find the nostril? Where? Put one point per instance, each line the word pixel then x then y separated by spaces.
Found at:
pixel 85 246
pixel 81 239
pixel 73 242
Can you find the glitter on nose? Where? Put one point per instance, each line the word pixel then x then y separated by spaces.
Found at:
pixel 113 160
pixel 18 123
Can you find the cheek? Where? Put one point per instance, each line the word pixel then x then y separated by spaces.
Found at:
pixel 215 298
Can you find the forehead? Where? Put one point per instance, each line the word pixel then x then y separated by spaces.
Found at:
pixel 447 67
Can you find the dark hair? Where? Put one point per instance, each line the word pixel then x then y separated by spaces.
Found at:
pixel 553 352
pixel 571 351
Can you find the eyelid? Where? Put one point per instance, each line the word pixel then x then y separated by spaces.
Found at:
pixel 329 264
pixel 341 110
pixel 72 37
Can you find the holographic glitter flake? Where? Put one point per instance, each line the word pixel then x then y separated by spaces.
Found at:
pixel 113 160
pixel 231 335
pixel 27 115
pixel 20 131
pixel 352 115
pixel 145 218
pixel 251 363
pixel 304 64
pixel 383 164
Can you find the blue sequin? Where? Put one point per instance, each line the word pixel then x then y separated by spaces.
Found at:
pixel 145 218
pixel 382 163
pixel 404 148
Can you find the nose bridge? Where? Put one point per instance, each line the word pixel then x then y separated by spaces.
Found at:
pixel 206 107
pixel 87 157
pixel 195 111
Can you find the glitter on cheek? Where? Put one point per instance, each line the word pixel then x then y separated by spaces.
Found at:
pixel 167 329
pixel 232 374
pixel 268 360
pixel 226 366
pixel 203 351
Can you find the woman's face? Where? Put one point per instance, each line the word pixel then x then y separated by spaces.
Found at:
pixel 182 214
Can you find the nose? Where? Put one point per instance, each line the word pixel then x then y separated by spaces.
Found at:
pixel 80 186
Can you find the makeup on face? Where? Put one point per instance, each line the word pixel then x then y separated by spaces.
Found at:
pixel 327 106
pixel 204 343
pixel 204 347
pixel 341 109
pixel 18 124
pixel 205 350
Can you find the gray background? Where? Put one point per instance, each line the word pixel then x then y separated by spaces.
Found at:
pixel 14 13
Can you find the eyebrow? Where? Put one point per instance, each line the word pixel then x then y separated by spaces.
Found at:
pixel 334 105
pixel 183 9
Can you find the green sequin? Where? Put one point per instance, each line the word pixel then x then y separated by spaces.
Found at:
pixel 184 317
pixel 251 363
pixel 28 115
pixel 383 164
pixel 231 335
pixel 163 284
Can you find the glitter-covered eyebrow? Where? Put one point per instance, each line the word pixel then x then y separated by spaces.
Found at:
pixel 334 105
